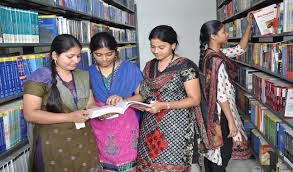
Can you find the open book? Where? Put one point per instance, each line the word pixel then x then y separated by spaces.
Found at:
pixel 119 108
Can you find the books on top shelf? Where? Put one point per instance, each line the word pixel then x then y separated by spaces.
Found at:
pixel 277 16
pixel 52 25
pixel 274 57
pixel 18 26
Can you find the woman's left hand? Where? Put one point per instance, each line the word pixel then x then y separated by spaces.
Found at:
pixel 113 100
pixel 156 107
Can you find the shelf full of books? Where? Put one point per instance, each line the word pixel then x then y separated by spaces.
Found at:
pixel 27 28
pixel 96 11
pixel 265 75
pixel 271 137
pixel 272 23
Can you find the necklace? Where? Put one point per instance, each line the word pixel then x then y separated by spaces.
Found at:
pixel 112 77
pixel 157 65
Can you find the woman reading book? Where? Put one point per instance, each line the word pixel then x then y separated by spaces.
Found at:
pixel 172 87
pixel 113 80
pixel 225 133
pixel 54 99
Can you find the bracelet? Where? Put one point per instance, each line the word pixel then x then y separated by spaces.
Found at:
pixel 168 105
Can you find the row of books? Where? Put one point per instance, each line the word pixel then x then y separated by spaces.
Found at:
pixel 128 52
pixel 43 28
pixel 127 3
pixel 101 9
pixel 266 155
pixel 274 19
pixel 108 12
pixel 85 5
pixel 52 25
pixel 272 92
pixel 234 7
pixel 261 148
pixel 13 127
pixel 15 69
pixel 18 26
pixel 276 132
pixel 270 125
pixel 274 57
pixel 263 120
pixel 244 76
pixel 77 5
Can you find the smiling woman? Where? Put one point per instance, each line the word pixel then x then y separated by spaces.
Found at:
pixel 54 100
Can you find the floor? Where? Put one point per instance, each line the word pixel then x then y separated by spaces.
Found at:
pixel 249 165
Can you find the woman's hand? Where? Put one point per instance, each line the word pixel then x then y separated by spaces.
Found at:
pixel 156 107
pixel 113 100
pixel 78 116
pixel 249 19
pixel 232 129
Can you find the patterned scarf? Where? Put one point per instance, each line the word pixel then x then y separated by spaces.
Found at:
pixel 209 66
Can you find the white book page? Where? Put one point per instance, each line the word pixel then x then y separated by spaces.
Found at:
pixel 289 103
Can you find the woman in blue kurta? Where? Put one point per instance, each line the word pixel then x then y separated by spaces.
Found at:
pixel 113 80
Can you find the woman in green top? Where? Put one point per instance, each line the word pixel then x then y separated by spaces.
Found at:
pixel 54 100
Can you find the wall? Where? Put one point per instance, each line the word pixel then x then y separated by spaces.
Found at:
pixel 185 16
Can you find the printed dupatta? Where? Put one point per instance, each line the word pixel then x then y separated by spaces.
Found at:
pixel 210 66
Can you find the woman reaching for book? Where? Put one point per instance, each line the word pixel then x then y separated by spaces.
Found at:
pixel 112 80
pixel 225 133
pixel 54 99
pixel 172 87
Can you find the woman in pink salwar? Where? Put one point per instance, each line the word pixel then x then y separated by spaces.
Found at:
pixel 113 80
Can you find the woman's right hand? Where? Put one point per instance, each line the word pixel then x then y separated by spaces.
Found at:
pixel 78 116
pixel 232 129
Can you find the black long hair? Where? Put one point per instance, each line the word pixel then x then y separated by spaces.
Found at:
pixel 103 40
pixel 60 44
pixel 207 29
pixel 164 33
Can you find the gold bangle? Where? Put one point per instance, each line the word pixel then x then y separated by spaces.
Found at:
pixel 168 105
